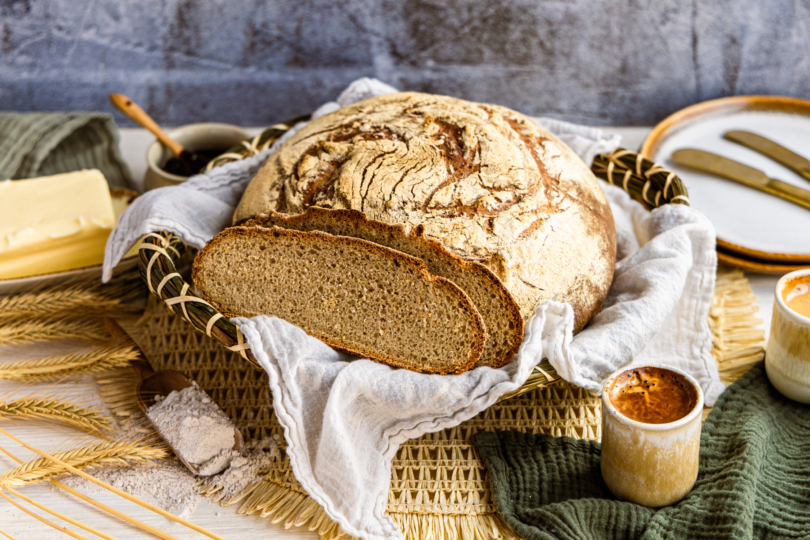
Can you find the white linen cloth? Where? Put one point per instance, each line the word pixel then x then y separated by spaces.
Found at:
pixel 345 418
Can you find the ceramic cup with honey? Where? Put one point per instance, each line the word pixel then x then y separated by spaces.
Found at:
pixel 195 137
pixel 651 420
pixel 787 355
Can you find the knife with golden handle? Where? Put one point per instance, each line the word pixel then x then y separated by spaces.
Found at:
pixel 733 170
pixel 775 151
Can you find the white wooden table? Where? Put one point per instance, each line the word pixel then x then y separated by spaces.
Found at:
pixel 223 521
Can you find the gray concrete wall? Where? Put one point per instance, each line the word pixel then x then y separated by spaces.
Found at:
pixel 254 62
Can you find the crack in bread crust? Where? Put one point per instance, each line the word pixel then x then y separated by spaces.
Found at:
pixel 486 182
pixel 244 258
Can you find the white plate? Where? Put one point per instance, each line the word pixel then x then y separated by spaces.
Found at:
pixel 747 221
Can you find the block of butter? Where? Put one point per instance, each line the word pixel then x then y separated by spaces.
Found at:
pixel 54 223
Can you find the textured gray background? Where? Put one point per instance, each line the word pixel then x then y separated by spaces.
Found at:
pixel 256 62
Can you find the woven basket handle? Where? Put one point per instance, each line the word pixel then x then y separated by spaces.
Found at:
pixel 157 254
pixel 156 261
pixel 262 141
pixel 640 177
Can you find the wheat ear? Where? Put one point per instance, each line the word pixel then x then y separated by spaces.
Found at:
pixel 61 366
pixel 54 410
pixel 96 455
pixel 88 296
pixel 22 331
pixel 113 489
pixel 105 508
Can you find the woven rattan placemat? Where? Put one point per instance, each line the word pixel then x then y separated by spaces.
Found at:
pixel 439 488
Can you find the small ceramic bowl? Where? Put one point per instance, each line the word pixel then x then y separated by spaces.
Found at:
pixel 192 137
pixel 650 464
pixel 787 355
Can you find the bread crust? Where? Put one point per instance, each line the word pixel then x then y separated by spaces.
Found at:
pixel 464 364
pixel 488 183
pixel 296 221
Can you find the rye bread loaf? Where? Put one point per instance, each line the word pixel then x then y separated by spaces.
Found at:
pixel 354 295
pixel 500 312
pixel 486 182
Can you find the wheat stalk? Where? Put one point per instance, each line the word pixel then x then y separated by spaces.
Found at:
pixel 60 528
pixel 89 296
pixel 75 363
pixel 49 409
pixel 112 489
pixel 22 331
pixel 88 500
pixel 63 517
pixel 104 454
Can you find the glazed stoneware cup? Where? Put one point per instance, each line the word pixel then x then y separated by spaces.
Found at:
pixel 192 137
pixel 646 463
pixel 787 355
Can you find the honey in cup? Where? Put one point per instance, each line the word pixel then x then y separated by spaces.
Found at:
pixel 796 295
pixel 652 395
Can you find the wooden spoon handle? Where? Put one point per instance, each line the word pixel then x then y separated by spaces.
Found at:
pixel 131 109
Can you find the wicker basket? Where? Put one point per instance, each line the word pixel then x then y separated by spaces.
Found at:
pixel 646 181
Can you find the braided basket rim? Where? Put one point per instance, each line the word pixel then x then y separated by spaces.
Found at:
pixel 646 181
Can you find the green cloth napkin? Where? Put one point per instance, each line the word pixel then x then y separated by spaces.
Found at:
pixel 42 144
pixel 754 479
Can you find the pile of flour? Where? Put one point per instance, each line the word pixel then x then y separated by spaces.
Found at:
pixel 199 431
pixel 166 484
pixel 244 470
pixel 169 485
pixel 196 428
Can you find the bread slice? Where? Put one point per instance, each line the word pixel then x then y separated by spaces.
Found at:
pixel 354 295
pixel 501 314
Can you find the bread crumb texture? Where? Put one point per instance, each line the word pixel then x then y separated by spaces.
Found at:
pixel 353 295
pixel 501 314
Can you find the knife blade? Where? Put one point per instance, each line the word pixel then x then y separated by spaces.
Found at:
pixel 743 174
pixel 775 151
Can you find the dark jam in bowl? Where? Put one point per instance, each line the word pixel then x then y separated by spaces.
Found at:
pixel 201 159
pixel 652 395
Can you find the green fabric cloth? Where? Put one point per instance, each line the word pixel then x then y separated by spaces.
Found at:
pixel 754 479
pixel 42 144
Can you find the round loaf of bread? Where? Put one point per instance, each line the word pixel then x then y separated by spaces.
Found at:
pixel 487 182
